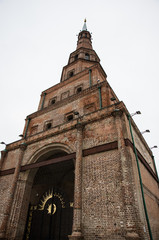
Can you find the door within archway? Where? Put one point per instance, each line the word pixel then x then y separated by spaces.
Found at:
pixel 50 213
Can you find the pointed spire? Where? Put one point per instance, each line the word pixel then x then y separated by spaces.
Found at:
pixel 84 38
pixel 84 26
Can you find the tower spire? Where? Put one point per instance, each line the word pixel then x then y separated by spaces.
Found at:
pixel 84 38
pixel 84 26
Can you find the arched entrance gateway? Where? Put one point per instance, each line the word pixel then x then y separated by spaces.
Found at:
pixel 50 212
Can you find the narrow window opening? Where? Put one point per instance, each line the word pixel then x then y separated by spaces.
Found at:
pixel 76 57
pixel 79 89
pixel 48 126
pixel 53 101
pixel 70 74
pixel 87 56
pixel 70 117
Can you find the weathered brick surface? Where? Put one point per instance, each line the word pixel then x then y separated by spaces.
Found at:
pixel 106 210
pixel 98 133
pixel 100 195
pixel 4 191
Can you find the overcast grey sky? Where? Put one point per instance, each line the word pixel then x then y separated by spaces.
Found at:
pixel 36 38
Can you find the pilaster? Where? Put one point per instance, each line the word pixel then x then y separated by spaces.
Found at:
pixel 130 211
pixel 9 201
pixel 77 215
pixel 3 155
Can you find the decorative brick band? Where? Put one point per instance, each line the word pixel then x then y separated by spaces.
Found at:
pixel 100 148
pixel 86 152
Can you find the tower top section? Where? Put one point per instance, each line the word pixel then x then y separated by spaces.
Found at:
pixel 82 58
pixel 84 26
pixel 84 38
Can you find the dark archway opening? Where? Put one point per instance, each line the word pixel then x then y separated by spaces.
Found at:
pixel 50 213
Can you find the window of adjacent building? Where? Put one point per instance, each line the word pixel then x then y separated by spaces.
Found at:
pixel 87 56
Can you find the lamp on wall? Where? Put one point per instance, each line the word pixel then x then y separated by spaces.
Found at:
pixel 76 113
pixel 21 135
pixel 137 112
pixel 154 147
pixel 113 99
pixel 146 131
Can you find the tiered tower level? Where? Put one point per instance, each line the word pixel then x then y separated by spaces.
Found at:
pixel 74 173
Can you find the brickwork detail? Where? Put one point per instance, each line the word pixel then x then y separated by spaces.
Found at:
pixel 102 196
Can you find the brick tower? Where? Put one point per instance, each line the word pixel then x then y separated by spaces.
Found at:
pixel 82 169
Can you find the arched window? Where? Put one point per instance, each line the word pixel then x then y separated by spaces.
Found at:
pixel 53 100
pixel 78 89
pixel 87 56
pixel 48 125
